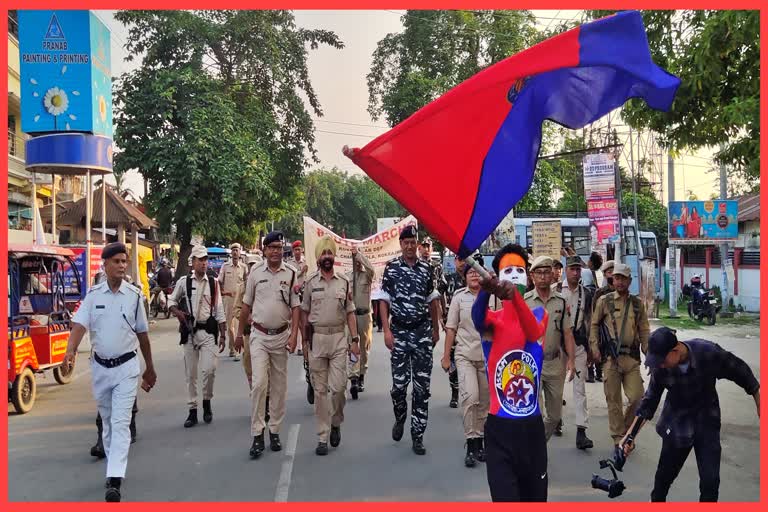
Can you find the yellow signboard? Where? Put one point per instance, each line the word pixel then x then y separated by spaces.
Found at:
pixel 547 238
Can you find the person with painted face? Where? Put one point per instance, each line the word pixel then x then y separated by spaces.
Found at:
pixel 408 292
pixel 688 370
pixel 462 345
pixel 513 347
pixel 327 308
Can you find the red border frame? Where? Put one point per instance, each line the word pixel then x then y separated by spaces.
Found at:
pixel 379 4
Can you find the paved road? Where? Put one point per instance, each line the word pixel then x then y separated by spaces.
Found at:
pixel 49 447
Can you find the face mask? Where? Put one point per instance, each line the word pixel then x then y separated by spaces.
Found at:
pixel 515 275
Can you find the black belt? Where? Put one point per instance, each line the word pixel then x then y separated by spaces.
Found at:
pixel 362 311
pixel 270 332
pixel 115 361
pixel 408 325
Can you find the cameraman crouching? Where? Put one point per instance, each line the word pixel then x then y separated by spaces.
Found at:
pixel 201 320
pixel 691 414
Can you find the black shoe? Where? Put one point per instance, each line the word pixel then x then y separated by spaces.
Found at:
pixel 97 450
pixel 191 419
pixel 361 384
pixel 257 448
pixel 454 399
pixel 113 490
pixel 335 436
pixel 582 441
pixel 207 412
pixel 591 374
pixel 397 430
pixel 480 449
pixel 352 391
pixel 322 449
pixel 559 429
pixel 274 442
pixel 469 458
pixel 310 394
pixel 418 446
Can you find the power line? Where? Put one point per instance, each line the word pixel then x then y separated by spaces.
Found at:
pixel 347 134
pixel 352 124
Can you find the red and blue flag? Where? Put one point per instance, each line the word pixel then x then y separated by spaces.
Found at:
pixel 463 161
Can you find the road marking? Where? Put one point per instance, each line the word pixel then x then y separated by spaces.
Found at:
pixel 284 484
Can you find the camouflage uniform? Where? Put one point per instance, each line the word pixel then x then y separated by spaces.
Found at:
pixel 410 290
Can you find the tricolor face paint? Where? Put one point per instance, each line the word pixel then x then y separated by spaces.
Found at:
pixel 516 275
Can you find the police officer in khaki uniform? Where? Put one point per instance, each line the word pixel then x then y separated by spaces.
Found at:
pixel 254 260
pixel 559 346
pixel 203 305
pixel 326 308
pixel 624 317
pixel 271 305
pixel 361 279
pixel 232 278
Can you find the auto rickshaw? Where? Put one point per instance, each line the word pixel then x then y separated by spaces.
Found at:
pixel 43 292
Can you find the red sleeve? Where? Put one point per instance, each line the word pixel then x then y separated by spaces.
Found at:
pixel 533 330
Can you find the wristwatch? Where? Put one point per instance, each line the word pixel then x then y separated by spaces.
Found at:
pixel 355 339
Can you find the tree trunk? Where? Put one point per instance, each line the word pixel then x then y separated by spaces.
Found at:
pixel 184 235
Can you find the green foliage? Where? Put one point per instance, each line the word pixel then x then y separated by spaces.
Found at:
pixel 717 56
pixel 438 50
pixel 215 118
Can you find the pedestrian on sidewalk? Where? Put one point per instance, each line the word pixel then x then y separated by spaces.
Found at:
pixel 117 322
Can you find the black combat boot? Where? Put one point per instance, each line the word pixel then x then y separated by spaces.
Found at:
pixel 335 436
pixel 322 448
pixel 113 490
pixel 97 450
pixel 582 441
pixel 480 449
pixel 469 458
pixel 397 430
pixel 257 448
pixel 274 442
pixel 352 390
pixel 207 412
pixel 418 446
pixel 454 398
pixel 191 419
pixel 361 384
pixel 599 372
pixel 591 373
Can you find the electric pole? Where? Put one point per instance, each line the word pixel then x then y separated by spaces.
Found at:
pixel 724 245
pixel 671 249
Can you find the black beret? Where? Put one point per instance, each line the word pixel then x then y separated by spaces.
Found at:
pixel 409 231
pixel 113 249
pixel 273 236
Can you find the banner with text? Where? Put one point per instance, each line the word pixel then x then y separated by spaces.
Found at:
pixel 599 177
pixel 547 238
pixel 378 248
pixel 604 220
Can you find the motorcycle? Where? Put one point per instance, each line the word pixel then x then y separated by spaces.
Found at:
pixel 703 303
pixel 159 302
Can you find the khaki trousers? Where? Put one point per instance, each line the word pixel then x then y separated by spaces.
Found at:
pixel 328 372
pixel 365 331
pixel 232 314
pixel 200 351
pixel 269 360
pixel 473 395
pixel 624 372
pixel 247 359
pixel 579 388
pixel 551 396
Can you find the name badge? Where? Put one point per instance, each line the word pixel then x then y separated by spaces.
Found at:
pixel 263 281
pixel 318 289
pixel 100 306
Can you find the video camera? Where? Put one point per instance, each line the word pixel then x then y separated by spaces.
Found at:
pixel 614 487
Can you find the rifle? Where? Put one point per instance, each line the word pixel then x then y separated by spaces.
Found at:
pixel 186 327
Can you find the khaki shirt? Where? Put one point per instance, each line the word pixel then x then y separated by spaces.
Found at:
pixel 201 303
pixel 635 331
pixel 468 342
pixel 558 315
pixel 327 301
pixel 572 302
pixel 301 268
pixel 361 284
pixel 232 277
pixel 270 296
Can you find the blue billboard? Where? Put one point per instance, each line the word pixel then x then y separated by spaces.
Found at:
pixel 66 78
pixel 703 222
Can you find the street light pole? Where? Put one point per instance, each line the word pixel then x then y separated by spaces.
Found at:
pixel 671 249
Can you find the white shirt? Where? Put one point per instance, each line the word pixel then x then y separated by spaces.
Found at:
pixel 113 319
pixel 201 306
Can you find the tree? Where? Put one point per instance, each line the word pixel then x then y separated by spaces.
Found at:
pixel 438 50
pixel 717 56
pixel 214 118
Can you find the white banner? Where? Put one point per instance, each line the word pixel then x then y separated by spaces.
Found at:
pixel 378 248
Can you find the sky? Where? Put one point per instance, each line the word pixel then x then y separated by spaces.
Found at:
pixel 338 77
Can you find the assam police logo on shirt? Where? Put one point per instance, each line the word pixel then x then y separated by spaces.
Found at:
pixel 516 383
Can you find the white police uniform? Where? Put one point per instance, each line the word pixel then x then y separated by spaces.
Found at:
pixel 113 321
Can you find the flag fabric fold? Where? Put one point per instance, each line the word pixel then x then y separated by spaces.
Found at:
pixel 462 162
